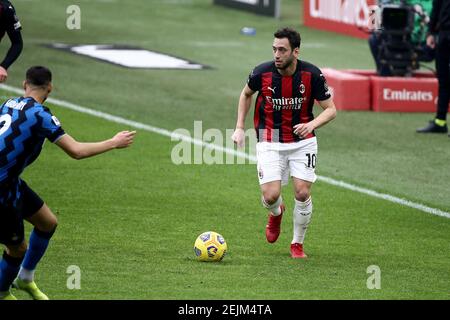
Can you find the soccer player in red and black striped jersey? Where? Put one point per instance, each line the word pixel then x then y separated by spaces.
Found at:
pixel 9 24
pixel 284 121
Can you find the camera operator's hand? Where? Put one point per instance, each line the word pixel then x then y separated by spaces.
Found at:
pixel 431 41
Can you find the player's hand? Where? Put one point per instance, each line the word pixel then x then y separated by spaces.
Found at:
pixel 431 41
pixel 3 74
pixel 239 137
pixel 303 129
pixel 123 139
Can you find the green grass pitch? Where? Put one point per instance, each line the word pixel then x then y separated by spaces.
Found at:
pixel 128 219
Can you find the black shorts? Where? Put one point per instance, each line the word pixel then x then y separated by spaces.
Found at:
pixel 14 210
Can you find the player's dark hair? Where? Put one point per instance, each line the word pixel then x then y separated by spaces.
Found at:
pixel 39 76
pixel 292 35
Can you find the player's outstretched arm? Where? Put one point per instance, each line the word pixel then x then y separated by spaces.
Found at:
pixel 81 150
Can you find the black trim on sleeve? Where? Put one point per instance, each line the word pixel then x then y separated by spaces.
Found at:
pixel 55 135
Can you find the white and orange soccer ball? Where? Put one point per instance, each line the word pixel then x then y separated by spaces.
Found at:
pixel 210 246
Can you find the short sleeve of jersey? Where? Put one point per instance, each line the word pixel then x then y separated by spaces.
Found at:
pixel 254 80
pixel 320 89
pixel 10 17
pixel 50 127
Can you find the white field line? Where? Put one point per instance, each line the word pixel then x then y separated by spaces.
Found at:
pixel 229 151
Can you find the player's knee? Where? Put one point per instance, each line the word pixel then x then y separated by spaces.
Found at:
pixel 49 225
pixel 302 194
pixel 270 197
pixel 53 223
pixel 17 251
pixel 44 219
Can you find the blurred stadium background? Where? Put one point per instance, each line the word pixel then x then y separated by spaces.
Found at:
pixel 129 219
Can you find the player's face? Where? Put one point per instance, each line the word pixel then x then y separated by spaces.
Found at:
pixel 283 54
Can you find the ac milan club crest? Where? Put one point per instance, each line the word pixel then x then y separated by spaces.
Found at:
pixel 302 88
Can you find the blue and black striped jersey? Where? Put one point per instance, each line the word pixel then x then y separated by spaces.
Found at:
pixel 24 126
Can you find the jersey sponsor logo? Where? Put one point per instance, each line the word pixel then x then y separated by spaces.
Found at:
pixel 13 104
pixel 286 103
pixel 406 95
pixel 273 90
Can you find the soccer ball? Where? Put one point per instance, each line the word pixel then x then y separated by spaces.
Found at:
pixel 210 246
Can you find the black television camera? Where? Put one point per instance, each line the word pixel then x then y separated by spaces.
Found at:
pixel 397 53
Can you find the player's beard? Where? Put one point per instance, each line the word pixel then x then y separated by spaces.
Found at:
pixel 288 63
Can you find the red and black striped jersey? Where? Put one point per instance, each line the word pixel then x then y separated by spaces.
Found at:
pixel 284 101
pixel 9 22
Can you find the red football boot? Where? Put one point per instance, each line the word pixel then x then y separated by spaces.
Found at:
pixel 297 251
pixel 273 226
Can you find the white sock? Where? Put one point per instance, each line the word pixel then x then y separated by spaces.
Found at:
pixel 26 275
pixel 302 217
pixel 273 208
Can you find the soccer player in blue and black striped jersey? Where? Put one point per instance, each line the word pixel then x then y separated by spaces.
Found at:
pixel 24 125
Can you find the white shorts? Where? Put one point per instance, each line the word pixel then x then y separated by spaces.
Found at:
pixel 275 161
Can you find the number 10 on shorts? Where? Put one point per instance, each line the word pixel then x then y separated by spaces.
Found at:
pixel 312 158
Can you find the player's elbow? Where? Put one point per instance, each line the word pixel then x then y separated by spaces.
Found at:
pixel 76 152
pixel 19 47
pixel 16 42
pixel 75 155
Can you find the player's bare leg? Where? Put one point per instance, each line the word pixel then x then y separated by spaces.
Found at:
pixel 272 201
pixel 44 222
pixel 44 219
pixel 302 216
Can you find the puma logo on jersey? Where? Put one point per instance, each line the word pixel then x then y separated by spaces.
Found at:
pixel 273 90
